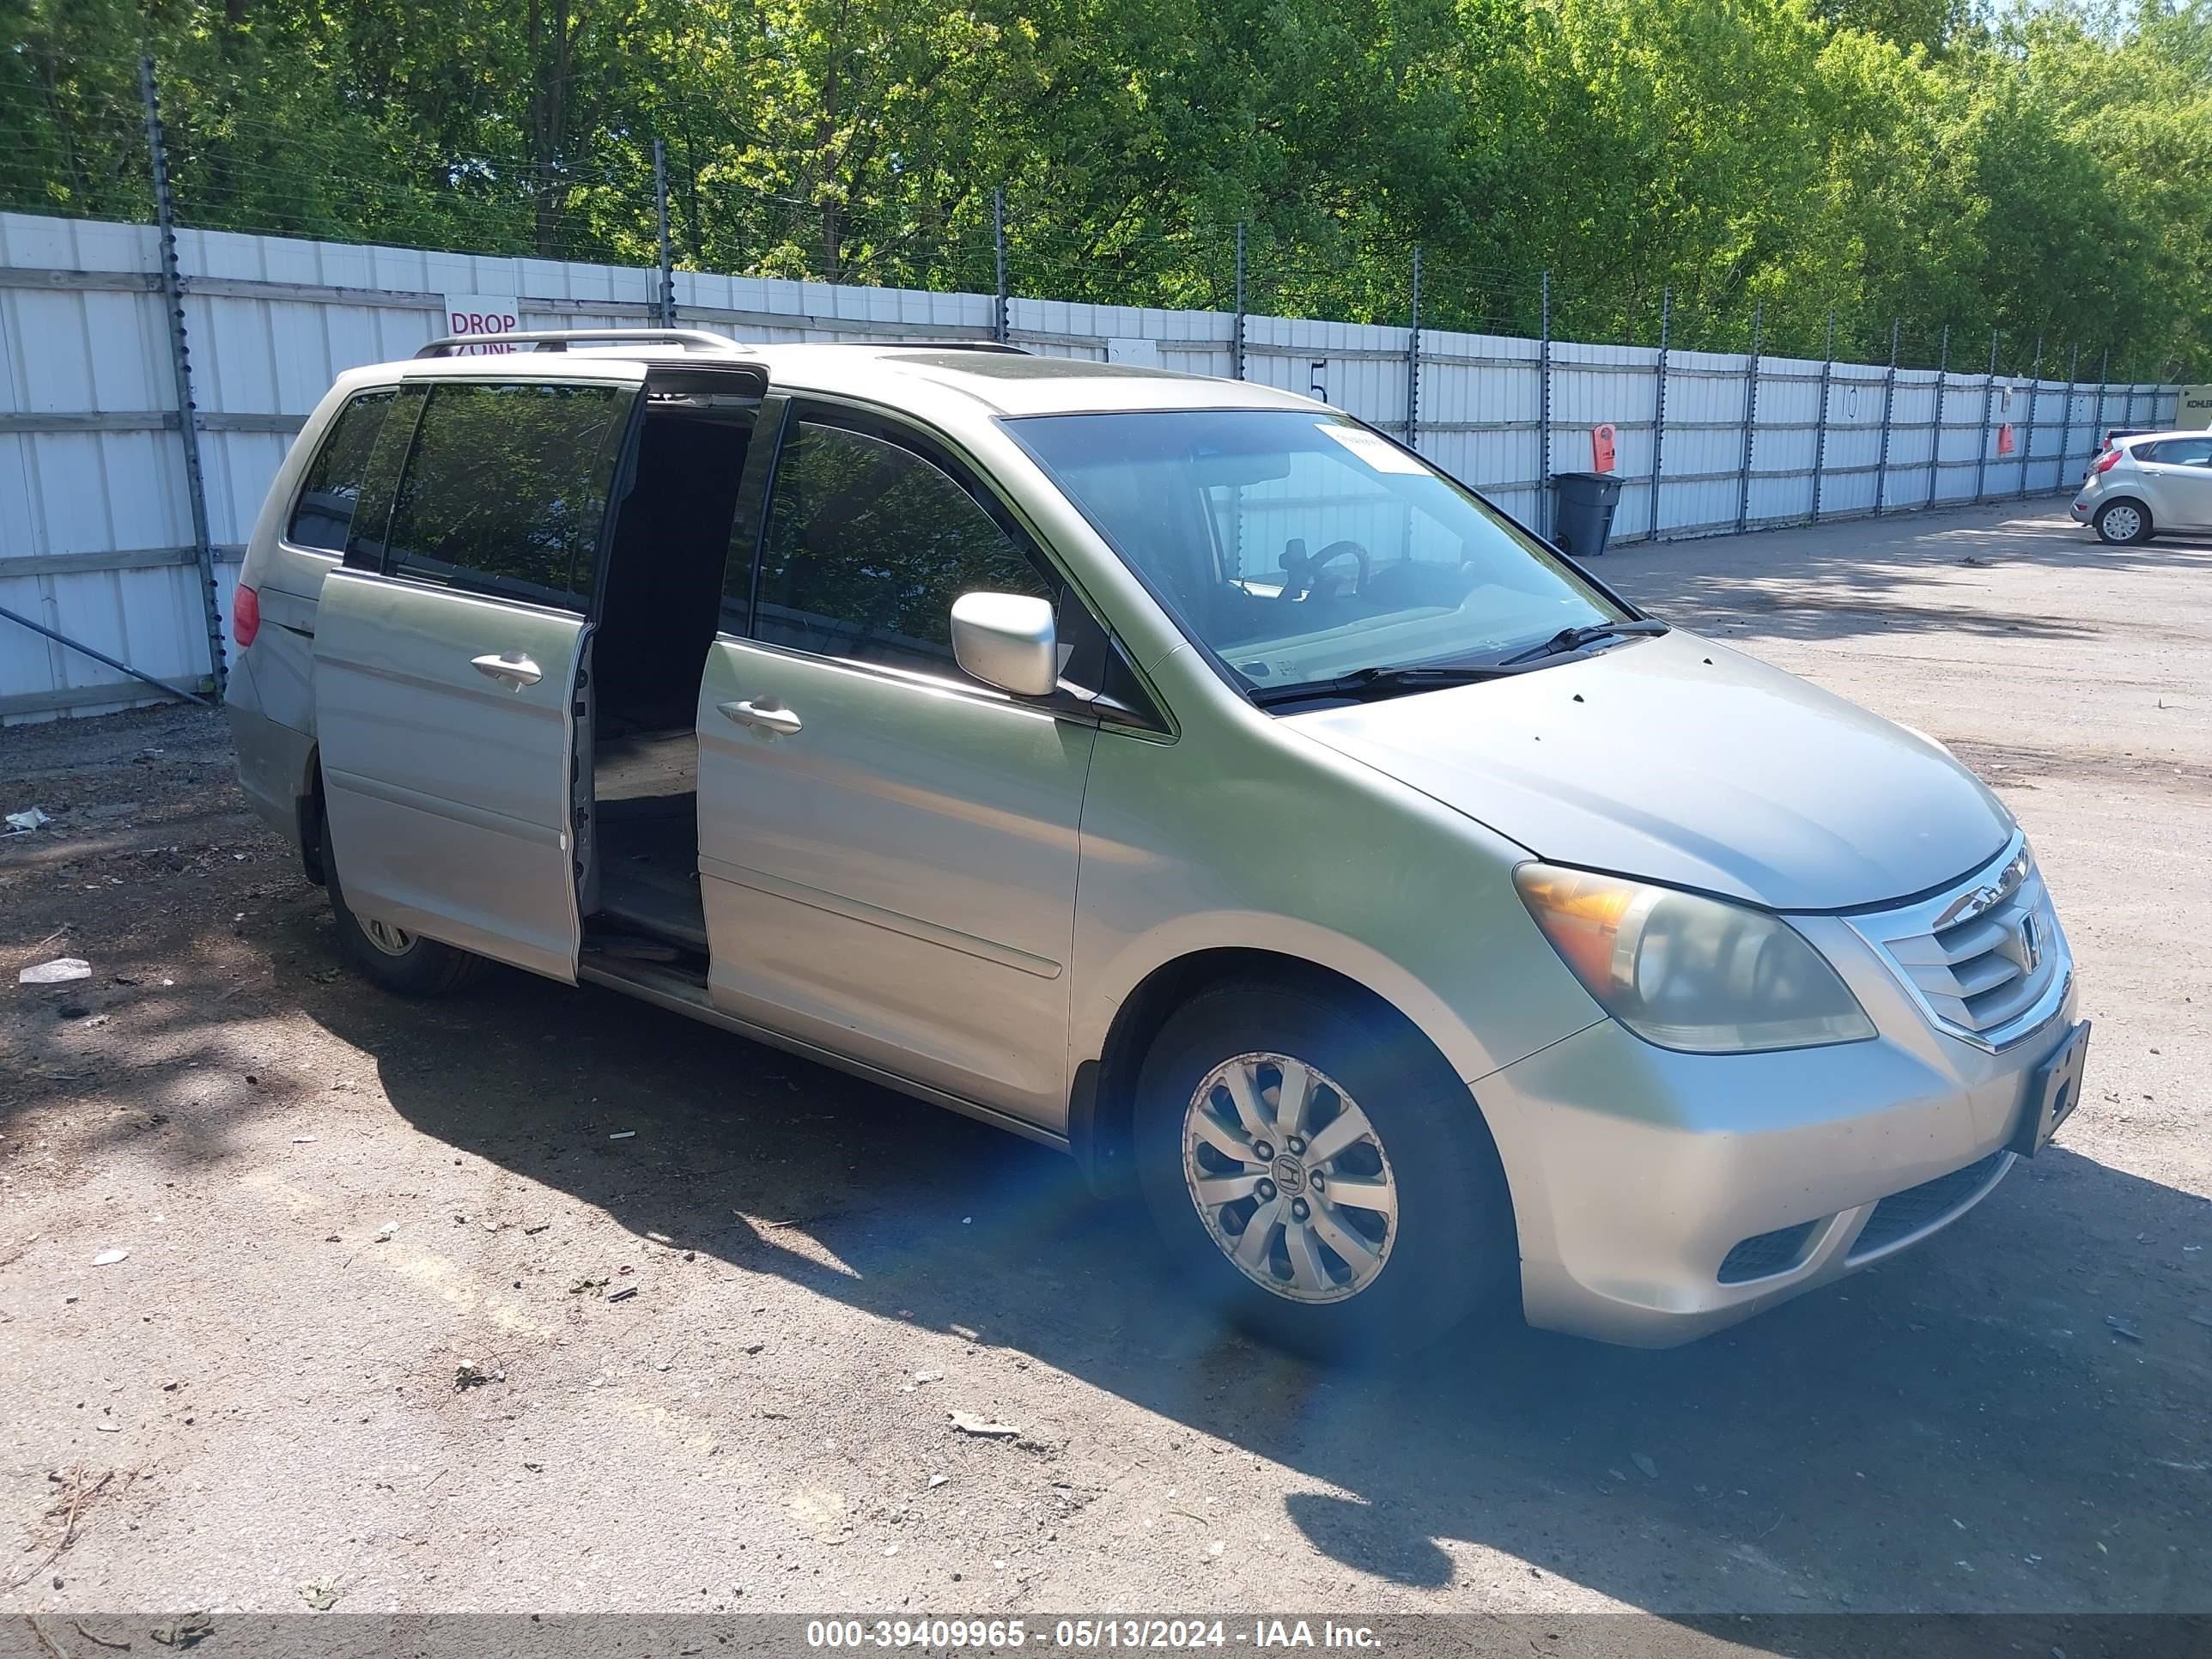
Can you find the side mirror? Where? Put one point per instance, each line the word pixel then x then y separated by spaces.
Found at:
pixel 1008 640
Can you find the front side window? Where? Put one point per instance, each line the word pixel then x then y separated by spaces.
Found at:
pixel 1300 547
pixel 323 516
pixel 868 545
pixel 505 490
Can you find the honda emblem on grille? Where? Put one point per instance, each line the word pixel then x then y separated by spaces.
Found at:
pixel 2031 942
pixel 1967 906
pixel 1987 896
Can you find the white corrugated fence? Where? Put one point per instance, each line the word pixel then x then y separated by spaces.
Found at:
pixel 96 537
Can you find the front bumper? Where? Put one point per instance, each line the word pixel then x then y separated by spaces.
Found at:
pixel 1662 1195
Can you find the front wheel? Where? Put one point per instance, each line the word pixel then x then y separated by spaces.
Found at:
pixel 401 962
pixel 1327 1178
pixel 2122 523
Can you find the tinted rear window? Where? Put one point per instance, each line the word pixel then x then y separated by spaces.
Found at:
pixel 507 489
pixel 323 515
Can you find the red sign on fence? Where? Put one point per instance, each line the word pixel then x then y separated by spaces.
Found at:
pixel 1601 448
pixel 2004 439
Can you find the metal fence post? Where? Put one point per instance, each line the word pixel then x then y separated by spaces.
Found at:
pixel 1936 439
pixel 1237 333
pixel 180 361
pixel 1820 426
pixel 2066 436
pixel 1750 419
pixel 1989 392
pixel 1413 360
pixel 2103 392
pixel 1888 409
pixel 660 212
pixel 2034 406
pixel 1543 513
pixel 1659 407
pixel 998 316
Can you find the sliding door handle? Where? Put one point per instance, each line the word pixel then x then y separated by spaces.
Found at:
pixel 517 670
pixel 766 714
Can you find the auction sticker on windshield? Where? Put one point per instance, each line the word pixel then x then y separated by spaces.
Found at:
pixel 1378 452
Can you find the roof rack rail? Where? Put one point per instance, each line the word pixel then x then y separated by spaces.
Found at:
pixel 560 339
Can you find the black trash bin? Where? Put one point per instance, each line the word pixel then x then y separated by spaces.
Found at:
pixel 1582 508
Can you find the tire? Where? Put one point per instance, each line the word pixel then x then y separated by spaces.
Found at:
pixel 419 967
pixel 1448 1249
pixel 2123 523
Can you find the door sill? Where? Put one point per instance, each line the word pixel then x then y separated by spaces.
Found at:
pixel 675 987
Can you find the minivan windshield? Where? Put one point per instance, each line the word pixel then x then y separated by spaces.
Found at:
pixel 1300 547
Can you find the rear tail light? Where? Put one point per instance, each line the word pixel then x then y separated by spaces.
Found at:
pixel 2107 461
pixel 245 614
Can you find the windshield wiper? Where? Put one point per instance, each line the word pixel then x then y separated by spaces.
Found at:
pixel 1574 639
pixel 1424 677
pixel 1363 681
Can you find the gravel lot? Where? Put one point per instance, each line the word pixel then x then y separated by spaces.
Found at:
pixel 333 1200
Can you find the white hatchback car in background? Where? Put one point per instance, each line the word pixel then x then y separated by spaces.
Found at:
pixel 2146 482
pixel 1172 771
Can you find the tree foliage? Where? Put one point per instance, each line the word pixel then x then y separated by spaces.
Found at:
pixel 2046 174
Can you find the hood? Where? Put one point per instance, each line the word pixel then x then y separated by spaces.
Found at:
pixel 1680 761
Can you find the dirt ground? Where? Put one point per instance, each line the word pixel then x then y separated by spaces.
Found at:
pixel 333 1200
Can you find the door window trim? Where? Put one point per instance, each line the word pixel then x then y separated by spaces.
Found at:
pixel 939 450
pixel 633 443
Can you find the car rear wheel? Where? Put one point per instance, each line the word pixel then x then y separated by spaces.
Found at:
pixel 1326 1179
pixel 400 961
pixel 2124 523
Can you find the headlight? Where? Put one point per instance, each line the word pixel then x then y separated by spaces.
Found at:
pixel 1688 972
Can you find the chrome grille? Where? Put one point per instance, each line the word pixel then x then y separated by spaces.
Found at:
pixel 1981 957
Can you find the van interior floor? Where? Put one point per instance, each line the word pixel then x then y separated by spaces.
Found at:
pixel 649 856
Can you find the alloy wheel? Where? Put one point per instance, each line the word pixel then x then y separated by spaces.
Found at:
pixel 392 941
pixel 1289 1178
pixel 2122 522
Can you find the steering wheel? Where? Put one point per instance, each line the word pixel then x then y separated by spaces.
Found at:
pixel 1302 571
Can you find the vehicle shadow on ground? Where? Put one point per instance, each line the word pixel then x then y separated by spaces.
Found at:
pixel 1840 581
pixel 1958 1429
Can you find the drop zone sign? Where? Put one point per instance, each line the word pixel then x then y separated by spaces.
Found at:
pixel 482 313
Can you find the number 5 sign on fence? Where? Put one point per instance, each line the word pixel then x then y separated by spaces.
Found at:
pixel 482 313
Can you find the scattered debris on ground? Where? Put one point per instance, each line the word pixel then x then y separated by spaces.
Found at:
pixel 187 1632
pixel 320 1594
pixel 80 1490
pixel 60 971
pixel 982 1427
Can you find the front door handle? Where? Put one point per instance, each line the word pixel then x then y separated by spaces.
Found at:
pixel 517 670
pixel 768 715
